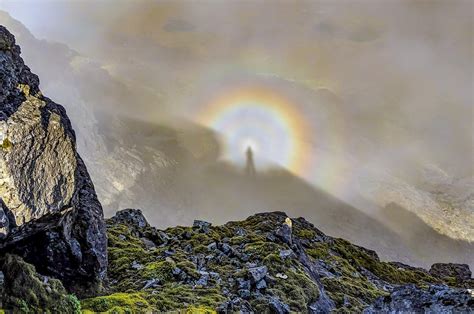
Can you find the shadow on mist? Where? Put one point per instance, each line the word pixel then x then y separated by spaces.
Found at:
pixel 192 183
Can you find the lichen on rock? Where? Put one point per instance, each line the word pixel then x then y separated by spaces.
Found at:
pixel 37 173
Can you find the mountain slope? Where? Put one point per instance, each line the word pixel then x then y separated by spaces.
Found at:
pixel 267 262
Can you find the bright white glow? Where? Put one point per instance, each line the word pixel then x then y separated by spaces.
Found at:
pixel 251 125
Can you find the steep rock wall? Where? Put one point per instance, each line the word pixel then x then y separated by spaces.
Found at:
pixel 49 211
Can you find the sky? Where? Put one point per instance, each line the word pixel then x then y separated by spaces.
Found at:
pixel 397 72
pixel 369 101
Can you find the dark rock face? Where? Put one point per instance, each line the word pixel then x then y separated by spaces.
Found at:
pixel 49 212
pixel 459 271
pixel 437 299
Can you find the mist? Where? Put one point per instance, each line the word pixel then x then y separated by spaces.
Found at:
pixel 386 89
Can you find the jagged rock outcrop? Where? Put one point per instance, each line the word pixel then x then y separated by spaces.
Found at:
pixel 460 272
pixel 267 263
pixel 436 299
pixel 49 212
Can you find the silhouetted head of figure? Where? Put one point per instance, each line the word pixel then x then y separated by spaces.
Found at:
pixel 250 164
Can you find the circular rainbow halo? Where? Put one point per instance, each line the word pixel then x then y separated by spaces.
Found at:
pixel 259 119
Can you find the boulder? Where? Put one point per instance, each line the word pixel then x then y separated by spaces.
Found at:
pixel 202 226
pixel 285 253
pixel 49 212
pixel 131 217
pixel 284 233
pixel 277 306
pixel 443 270
pixel 258 273
pixel 139 226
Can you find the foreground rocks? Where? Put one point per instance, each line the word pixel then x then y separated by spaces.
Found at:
pixel 25 290
pixel 49 212
pixel 266 263
pixel 240 266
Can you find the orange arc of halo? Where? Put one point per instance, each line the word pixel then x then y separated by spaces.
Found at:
pixel 298 128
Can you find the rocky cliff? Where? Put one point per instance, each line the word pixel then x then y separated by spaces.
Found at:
pixel 49 212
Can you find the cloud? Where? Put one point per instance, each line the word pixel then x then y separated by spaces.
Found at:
pixel 176 25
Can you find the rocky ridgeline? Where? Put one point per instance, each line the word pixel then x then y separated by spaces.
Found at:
pixel 267 262
pixel 49 212
pixel 53 241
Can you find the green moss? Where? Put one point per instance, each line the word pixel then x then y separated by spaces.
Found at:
pixel 360 258
pixel 356 288
pixel 200 239
pixel 238 240
pixel 298 290
pixel 23 306
pixel 201 249
pixel 162 270
pixel 120 236
pixel 305 234
pixel 189 268
pixel 74 302
pixel 451 281
pixel 178 231
pixel 261 248
pixel 175 296
pixel 223 231
pixel 318 251
pixel 118 303
pixel 199 310
pixel 28 292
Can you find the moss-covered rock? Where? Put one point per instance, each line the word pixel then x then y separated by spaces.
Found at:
pixel 205 268
pixel 362 258
pixel 26 291
pixel 117 303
